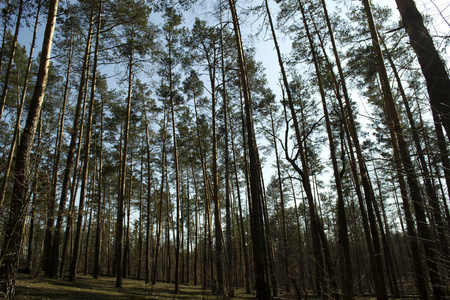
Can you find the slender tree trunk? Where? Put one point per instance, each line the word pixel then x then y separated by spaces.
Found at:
pixel 126 252
pixel 147 238
pixel 350 129
pixel 85 171
pixel 11 59
pixel 54 257
pixel 399 141
pixel 241 219
pixel 7 11
pixel 11 243
pixel 207 222
pixel 285 250
pixel 444 155
pixel 141 218
pixel 119 229
pixel 196 229
pixel 215 175
pixel 229 227
pixel 188 225
pixel 73 195
pixel 257 219
pixel 430 189
pixel 161 198
pixel 100 207
pixel 88 234
pixel 30 253
pixel 19 110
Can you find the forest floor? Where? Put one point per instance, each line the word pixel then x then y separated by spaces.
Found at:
pixel 89 288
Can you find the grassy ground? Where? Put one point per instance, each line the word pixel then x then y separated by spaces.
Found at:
pixel 104 288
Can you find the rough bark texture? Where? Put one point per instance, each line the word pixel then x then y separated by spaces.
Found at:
pixel 13 230
pixel 433 68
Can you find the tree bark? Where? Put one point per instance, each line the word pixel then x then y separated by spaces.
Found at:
pixel 98 231
pixel 119 229
pixel 398 140
pixel 85 171
pixel 257 218
pixel 11 243
pixel 54 257
pixel 20 110
pixel 433 67
pixel 11 59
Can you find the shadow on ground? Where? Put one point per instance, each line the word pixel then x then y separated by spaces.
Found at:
pixel 88 288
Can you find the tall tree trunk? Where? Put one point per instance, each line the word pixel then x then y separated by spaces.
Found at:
pixel 54 257
pixel 207 222
pixel 257 219
pixel 399 141
pixel 188 225
pixel 100 207
pixel 229 227
pixel 444 155
pixel 433 67
pixel 147 238
pixel 430 190
pixel 285 251
pixel 161 197
pixel 196 229
pixel 241 219
pixel 369 223
pixel 215 176
pixel 13 234
pixel 141 218
pixel 11 59
pixel 73 196
pixel 20 110
pixel 126 252
pixel 85 171
pixel 301 260
pixel 119 229
pixel 88 234
pixel 7 12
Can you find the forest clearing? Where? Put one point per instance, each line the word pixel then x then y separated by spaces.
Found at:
pixel 226 149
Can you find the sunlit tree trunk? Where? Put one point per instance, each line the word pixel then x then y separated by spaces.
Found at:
pixel 20 110
pixel 13 234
